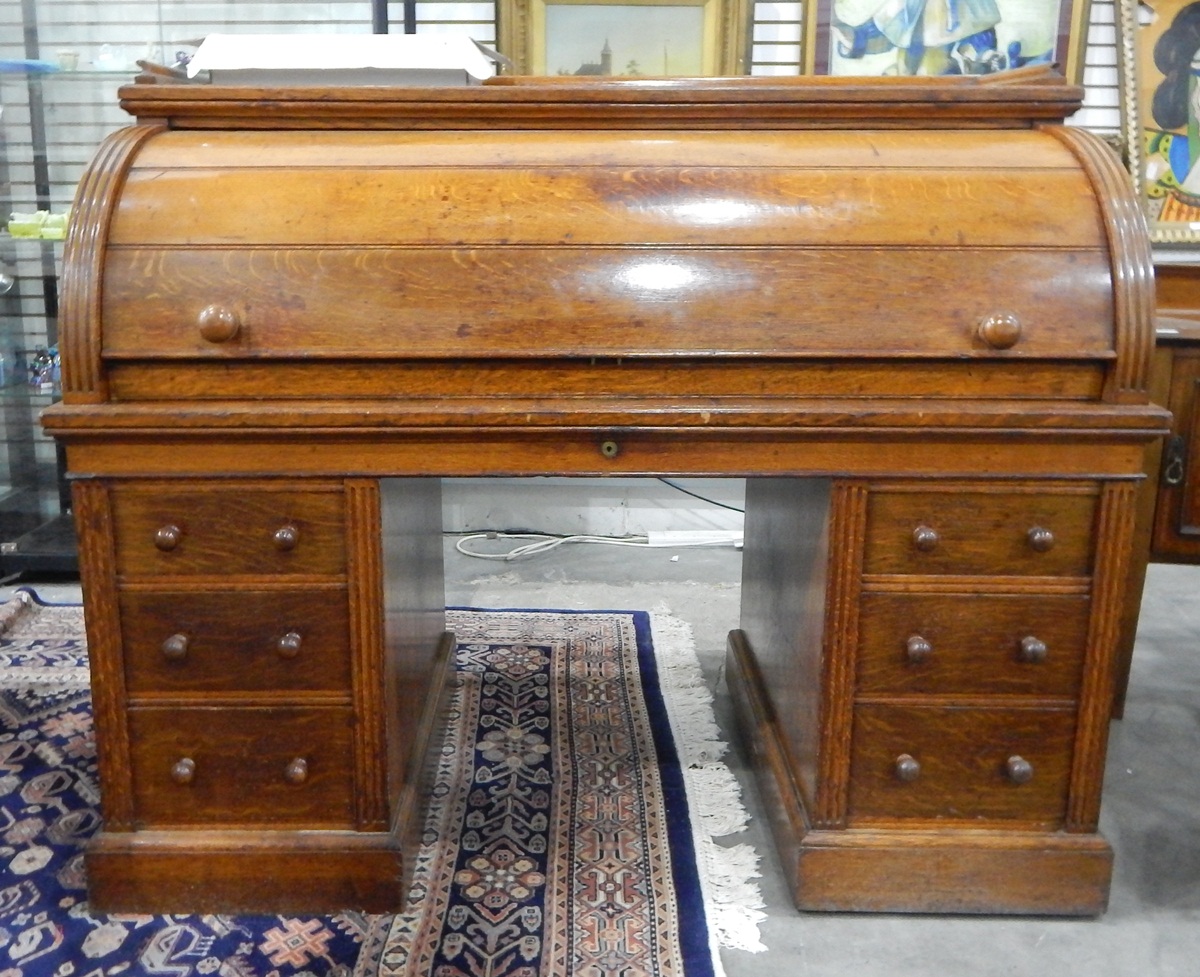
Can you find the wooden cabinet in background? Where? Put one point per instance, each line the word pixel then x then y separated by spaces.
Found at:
pixel 1177 514
pixel 1176 534
pixel 1169 503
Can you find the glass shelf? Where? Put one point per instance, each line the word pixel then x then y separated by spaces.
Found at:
pixel 86 74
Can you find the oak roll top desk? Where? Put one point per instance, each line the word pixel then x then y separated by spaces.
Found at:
pixel 915 314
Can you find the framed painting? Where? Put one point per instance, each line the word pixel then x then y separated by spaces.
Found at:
pixel 652 38
pixel 1162 111
pixel 944 37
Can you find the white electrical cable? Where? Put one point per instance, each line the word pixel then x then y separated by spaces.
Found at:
pixel 543 543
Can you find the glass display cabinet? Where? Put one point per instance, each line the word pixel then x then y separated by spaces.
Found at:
pixel 50 123
pixel 60 67
pixel 61 64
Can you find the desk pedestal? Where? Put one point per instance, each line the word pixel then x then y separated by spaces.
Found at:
pixel 922 684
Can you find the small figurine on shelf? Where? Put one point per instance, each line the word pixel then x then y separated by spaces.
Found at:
pixel 44 369
pixel 39 224
pixel 26 224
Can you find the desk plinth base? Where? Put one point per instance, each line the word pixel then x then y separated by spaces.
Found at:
pixel 956 870
pixel 245 871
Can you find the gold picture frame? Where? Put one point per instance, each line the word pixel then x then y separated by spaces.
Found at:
pixel 862 37
pixel 1161 104
pixel 652 38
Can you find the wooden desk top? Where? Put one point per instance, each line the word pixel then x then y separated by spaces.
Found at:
pixel 1021 99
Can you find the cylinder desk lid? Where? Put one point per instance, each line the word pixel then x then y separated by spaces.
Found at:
pixel 543 231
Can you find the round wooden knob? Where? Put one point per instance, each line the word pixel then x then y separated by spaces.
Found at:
pixel 167 538
pixel 218 324
pixel 286 538
pixel 288 646
pixel 175 648
pixel 296 772
pixel 1000 330
pixel 184 771
pixel 925 539
pixel 1040 539
pixel 908 768
pixel 918 649
pixel 1033 650
pixel 1019 770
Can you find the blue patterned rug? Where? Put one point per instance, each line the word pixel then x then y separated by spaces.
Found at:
pixel 579 791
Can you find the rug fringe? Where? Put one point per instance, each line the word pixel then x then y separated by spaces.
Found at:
pixel 736 899
pixel 732 899
pixel 15 609
pixel 42 646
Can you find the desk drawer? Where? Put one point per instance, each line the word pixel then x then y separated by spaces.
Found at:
pixel 286 765
pixel 1025 644
pixel 218 641
pixel 226 528
pixel 960 762
pixel 1000 532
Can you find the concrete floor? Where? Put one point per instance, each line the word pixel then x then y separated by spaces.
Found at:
pixel 1151 804
pixel 1151 795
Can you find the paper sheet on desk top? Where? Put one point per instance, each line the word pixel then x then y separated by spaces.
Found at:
pixel 318 53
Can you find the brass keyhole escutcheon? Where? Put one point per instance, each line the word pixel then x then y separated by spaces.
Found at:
pixel 610 449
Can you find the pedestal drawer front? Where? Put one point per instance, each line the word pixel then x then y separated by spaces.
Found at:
pixel 164 530
pixel 1000 532
pixel 218 641
pixel 222 765
pixel 968 762
pixel 972 644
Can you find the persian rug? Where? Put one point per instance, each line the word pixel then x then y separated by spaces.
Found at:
pixel 577 798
